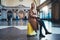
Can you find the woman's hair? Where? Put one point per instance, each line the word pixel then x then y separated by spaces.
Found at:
pixel 33 4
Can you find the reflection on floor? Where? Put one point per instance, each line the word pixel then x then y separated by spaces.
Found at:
pixel 14 32
pixel 13 23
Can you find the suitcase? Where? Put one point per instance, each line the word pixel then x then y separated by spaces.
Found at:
pixel 30 30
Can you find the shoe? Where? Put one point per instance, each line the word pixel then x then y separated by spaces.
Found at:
pixel 48 33
pixel 41 35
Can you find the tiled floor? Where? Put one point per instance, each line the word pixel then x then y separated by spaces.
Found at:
pixel 12 33
pixel 17 30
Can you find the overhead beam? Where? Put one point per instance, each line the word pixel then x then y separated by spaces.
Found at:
pixel 44 4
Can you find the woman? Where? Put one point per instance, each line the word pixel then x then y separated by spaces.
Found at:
pixel 32 17
pixel 34 20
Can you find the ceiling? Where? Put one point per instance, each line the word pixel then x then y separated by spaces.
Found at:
pixel 17 2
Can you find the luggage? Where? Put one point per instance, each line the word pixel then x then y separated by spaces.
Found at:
pixel 30 30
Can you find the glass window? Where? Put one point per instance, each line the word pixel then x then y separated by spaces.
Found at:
pixel 41 1
pixel 45 13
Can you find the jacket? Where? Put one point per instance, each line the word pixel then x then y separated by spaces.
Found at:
pixel 32 20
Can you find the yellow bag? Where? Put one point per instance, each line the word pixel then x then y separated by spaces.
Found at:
pixel 30 30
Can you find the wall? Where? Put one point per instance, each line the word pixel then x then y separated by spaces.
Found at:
pixel 55 11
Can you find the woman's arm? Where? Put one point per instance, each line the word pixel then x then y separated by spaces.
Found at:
pixel 32 14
